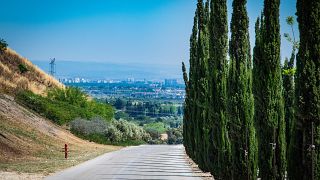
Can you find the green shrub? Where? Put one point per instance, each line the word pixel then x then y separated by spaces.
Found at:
pixel 3 45
pixel 153 133
pixel 114 132
pixel 61 109
pixel 71 95
pixel 23 68
pixel 131 131
pixel 175 136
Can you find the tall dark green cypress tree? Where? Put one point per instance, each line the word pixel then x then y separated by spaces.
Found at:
pixel 186 115
pixel 211 148
pixel 192 87
pixel 256 72
pixel 203 55
pixel 240 97
pixel 304 162
pixel 288 94
pixel 205 87
pixel 269 112
pixel 220 148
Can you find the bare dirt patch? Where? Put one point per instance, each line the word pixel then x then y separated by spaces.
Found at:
pixel 197 170
pixel 20 176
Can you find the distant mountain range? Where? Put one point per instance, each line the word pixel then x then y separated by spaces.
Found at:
pixel 100 70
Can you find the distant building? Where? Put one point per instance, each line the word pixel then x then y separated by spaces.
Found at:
pixel 130 80
pixel 170 82
pixel 76 80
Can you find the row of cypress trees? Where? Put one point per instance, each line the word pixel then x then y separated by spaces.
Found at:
pixel 239 117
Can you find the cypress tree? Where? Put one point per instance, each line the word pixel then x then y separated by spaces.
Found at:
pixel 219 145
pixel 269 108
pixel 203 55
pixel 305 152
pixel 240 98
pixel 211 148
pixel 186 115
pixel 257 84
pixel 205 87
pixel 288 94
pixel 192 88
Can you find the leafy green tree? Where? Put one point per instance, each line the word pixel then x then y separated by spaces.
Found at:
pixel 119 103
pixel 305 140
pixel 292 39
pixel 240 98
pixel 269 108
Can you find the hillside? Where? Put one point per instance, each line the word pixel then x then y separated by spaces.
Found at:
pixel 30 143
pixel 18 73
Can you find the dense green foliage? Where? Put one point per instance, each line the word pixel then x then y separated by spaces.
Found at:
pixel 71 105
pixel 151 108
pixel 221 151
pixel 175 136
pixel 243 116
pixel 62 106
pixel 205 119
pixel 157 117
pixel 109 132
pixel 304 155
pixel 269 107
pixel 189 125
pixel 201 92
pixel 240 97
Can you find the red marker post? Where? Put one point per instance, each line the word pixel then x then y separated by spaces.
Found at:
pixel 66 151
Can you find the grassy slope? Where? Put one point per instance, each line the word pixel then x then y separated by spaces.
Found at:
pixel 28 142
pixel 11 79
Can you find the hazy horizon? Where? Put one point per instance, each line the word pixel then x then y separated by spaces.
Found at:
pixel 106 70
pixel 129 32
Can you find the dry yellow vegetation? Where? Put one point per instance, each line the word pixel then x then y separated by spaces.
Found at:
pixel 11 78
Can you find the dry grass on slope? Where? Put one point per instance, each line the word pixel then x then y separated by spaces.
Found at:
pixel 32 144
pixel 11 79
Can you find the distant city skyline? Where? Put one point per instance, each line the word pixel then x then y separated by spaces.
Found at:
pixel 105 70
pixel 153 32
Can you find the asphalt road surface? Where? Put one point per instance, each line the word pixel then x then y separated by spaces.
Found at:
pixel 161 162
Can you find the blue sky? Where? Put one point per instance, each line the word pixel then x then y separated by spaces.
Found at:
pixel 112 31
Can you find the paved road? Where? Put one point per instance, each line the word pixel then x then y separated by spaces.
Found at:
pixel 162 162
